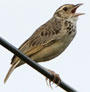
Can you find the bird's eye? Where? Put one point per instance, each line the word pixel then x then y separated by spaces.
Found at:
pixel 65 8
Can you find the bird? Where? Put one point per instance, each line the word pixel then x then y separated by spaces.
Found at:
pixel 50 39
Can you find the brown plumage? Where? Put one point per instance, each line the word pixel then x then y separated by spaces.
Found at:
pixel 51 39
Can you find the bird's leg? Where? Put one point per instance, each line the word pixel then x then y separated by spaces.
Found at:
pixel 56 78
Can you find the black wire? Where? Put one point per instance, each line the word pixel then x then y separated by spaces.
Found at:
pixel 33 64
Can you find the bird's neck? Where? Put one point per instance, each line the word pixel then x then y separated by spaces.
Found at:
pixel 72 20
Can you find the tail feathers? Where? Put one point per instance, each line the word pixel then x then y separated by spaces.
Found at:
pixel 10 71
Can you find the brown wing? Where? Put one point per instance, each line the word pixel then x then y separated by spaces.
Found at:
pixel 43 35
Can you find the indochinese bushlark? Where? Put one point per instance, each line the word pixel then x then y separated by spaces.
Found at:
pixel 50 39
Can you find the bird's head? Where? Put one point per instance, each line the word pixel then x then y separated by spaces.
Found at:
pixel 68 11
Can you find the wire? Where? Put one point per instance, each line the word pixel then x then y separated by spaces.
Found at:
pixel 33 64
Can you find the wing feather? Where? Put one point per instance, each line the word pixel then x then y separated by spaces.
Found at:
pixel 43 35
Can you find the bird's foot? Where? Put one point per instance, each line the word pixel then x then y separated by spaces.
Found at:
pixel 56 79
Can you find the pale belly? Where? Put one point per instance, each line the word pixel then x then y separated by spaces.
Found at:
pixel 52 51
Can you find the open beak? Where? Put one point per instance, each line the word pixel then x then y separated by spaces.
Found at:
pixel 75 8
